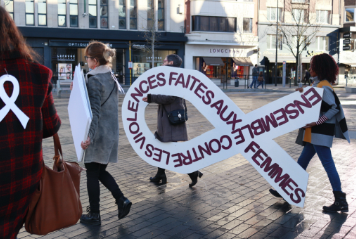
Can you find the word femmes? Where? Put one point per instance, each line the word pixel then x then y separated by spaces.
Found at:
pixel 275 172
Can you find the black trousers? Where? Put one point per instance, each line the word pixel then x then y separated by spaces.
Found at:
pixel 97 172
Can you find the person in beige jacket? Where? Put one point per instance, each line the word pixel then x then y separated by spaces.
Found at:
pixel 167 132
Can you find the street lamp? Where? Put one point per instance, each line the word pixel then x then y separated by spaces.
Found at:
pixel 275 64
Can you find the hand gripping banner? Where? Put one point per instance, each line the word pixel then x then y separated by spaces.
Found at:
pixel 10 101
pixel 234 132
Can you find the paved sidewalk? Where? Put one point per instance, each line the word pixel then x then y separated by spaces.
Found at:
pixel 231 200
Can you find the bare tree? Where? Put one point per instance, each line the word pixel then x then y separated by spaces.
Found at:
pixel 299 31
pixel 151 35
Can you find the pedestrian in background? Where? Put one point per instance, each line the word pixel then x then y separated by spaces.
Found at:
pixel 318 136
pixel 21 161
pixel 166 132
pixel 103 139
pixel 307 77
pixel 260 80
pixel 254 76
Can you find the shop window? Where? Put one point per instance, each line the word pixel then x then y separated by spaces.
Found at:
pixel 271 42
pixel 30 13
pixel 302 42
pixel 150 15
pixel 93 21
pixel 323 16
pixel 214 24
pixel 73 12
pixel 247 25
pixel 62 13
pixel 300 15
pixel 42 12
pixel 9 7
pixel 133 14
pixel 349 14
pixel 323 43
pixel 161 15
pixel 104 13
pixel 142 61
pixel 122 14
pixel 220 72
pixel 237 71
pixel 272 14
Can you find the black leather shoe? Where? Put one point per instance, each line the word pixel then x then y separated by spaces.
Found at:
pixel 161 175
pixel 124 206
pixel 194 177
pixel 275 193
pixel 340 203
pixel 92 218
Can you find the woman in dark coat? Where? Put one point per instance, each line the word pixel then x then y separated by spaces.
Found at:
pixel 21 161
pixel 165 131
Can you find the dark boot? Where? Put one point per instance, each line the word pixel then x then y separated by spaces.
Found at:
pixel 92 218
pixel 275 193
pixel 161 175
pixel 124 206
pixel 194 177
pixel 340 203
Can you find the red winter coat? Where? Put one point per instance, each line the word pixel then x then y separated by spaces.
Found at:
pixel 21 149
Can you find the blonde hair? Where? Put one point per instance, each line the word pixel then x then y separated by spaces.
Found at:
pixel 101 52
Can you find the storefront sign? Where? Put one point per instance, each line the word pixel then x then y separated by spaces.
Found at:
pixel 66 57
pixel 156 59
pixel 312 53
pixel 138 46
pixel 225 50
pixel 347 35
pixel 235 132
pixel 346 48
pixel 347 41
pixel 71 43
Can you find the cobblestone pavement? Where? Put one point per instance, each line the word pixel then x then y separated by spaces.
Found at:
pixel 231 200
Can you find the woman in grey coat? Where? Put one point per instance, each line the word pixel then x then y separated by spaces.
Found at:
pixel 166 132
pixel 103 139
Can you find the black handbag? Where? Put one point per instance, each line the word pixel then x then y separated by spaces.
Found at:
pixel 179 116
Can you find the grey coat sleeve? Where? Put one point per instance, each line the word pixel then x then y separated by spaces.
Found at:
pixel 328 97
pixel 161 99
pixel 94 92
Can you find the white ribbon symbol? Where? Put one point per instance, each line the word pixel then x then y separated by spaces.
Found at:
pixel 10 101
pixel 234 131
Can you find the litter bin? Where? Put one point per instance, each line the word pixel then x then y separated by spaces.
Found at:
pixel 237 83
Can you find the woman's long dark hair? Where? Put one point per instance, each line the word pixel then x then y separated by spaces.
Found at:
pixel 10 37
pixel 324 67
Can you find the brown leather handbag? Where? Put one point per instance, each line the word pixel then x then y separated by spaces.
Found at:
pixel 56 203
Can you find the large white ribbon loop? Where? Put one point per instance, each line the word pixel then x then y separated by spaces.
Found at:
pixel 10 101
pixel 234 131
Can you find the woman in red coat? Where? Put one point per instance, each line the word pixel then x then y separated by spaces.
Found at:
pixel 27 115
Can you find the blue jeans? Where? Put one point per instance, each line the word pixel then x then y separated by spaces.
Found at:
pixel 260 83
pixel 324 154
pixel 254 81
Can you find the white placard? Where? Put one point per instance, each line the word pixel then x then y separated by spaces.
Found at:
pixel 79 111
pixel 235 132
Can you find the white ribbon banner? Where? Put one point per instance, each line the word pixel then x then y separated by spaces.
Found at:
pixel 235 132
pixel 10 101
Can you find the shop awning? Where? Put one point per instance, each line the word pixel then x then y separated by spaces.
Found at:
pixel 213 61
pixel 242 61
